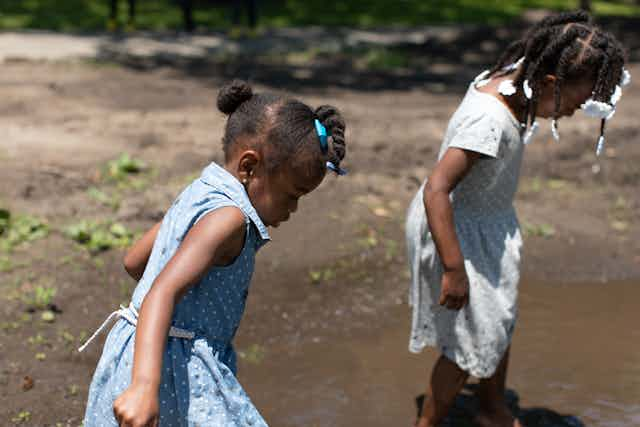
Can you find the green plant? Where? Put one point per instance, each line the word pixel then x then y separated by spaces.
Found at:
pixel 113 201
pixel 5 264
pixel 41 297
pixel 121 168
pixel 37 340
pixel 100 236
pixel 22 416
pixel 73 390
pixel 391 249
pixel 19 229
pixel 385 59
pixel 326 274
pixel 539 230
pixel 253 354
pixel 66 337
pixel 5 215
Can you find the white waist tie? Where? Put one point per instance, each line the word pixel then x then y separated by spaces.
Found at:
pixel 130 314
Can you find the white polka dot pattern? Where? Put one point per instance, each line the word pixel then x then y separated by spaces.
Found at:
pixel 476 337
pixel 199 386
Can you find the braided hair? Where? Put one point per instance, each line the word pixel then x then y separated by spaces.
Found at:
pixel 287 124
pixel 570 47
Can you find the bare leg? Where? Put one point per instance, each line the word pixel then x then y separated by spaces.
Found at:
pixel 493 408
pixel 447 379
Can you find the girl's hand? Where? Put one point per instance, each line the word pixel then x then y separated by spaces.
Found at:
pixel 455 289
pixel 137 407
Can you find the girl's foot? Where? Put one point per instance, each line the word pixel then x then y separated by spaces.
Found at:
pixel 497 418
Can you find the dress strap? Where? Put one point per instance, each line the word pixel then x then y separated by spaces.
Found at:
pixel 130 314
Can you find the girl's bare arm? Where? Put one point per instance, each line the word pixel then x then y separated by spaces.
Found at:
pixel 194 257
pixel 449 171
pixel 135 261
pixel 196 254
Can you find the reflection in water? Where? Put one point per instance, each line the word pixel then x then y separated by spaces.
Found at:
pixel 575 361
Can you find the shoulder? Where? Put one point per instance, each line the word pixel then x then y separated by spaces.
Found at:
pixel 482 113
pixel 198 202
pixel 221 225
pixel 479 124
pixel 485 108
pixel 201 197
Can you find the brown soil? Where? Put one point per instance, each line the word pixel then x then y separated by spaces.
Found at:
pixel 62 122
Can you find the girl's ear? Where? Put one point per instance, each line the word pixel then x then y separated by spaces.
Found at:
pixel 248 164
pixel 547 89
pixel 549 80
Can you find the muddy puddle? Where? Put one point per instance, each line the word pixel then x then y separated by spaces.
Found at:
pixel 575 361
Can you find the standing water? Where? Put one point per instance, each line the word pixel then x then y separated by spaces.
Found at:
pixel 575 361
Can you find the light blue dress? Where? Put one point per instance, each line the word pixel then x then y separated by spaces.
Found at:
pixel 199 386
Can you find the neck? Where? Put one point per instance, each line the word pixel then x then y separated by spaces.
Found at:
pixel 517 103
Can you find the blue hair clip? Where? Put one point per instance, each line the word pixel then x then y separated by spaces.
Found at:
pixel 324 146
pixel 322 135
pixel 337 169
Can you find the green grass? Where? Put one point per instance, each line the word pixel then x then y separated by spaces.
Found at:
pixel 87 15
pixel 18 229
pixel 99 236
pixel 41 297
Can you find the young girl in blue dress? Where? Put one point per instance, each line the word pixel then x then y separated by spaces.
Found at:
pixel 169 359
pixel 463 236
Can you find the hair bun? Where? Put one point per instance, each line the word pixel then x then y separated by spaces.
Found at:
pixel 232 95
pixel 332 119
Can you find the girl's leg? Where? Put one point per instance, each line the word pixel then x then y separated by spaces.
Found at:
pixel 493 408
pixel 447 379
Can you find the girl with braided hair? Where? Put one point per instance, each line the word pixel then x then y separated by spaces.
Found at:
pixel 169 359
pixel 463 236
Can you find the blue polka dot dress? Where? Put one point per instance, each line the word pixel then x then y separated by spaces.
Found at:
pixel 199 386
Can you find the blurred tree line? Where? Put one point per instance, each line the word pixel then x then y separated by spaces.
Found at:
pixel 91 15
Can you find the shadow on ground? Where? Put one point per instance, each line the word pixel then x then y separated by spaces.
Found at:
pixel 437 59
pixel 466 406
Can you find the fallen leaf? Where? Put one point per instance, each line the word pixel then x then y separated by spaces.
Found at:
pixel 48 316
pixel 619 225
pixel 383 212
pixel 27 383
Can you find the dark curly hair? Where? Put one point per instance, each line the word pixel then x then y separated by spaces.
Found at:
pixel 570 47
pixel 288 126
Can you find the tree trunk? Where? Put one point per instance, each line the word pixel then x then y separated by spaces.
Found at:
pixel 585 5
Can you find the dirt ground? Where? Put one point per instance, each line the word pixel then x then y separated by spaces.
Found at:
pixel 334 274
